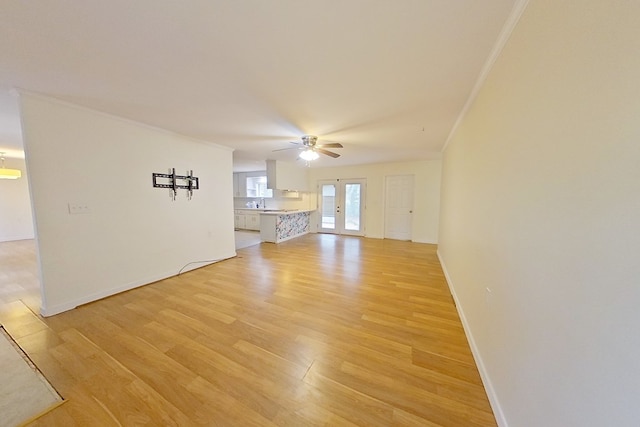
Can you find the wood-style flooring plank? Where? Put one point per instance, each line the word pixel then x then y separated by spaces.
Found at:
pixel 319 330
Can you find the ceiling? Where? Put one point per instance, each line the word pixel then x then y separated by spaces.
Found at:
pixel 387 79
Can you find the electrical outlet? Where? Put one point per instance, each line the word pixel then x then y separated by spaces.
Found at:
pixel 78 208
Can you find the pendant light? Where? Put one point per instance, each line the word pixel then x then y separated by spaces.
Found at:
pixel 8 173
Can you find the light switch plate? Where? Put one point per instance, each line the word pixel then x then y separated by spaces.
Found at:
pixel 78 208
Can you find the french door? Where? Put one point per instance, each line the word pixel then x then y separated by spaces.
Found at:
pixel 341 206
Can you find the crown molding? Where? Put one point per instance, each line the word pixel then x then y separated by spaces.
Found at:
pixel 509 25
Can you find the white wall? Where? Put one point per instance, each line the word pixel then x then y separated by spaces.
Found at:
pixel 16 221
pixel 134 234
pixel 541 204
pixel 426 194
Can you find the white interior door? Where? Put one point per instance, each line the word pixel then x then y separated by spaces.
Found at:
pixel 398 207
pixel 341 203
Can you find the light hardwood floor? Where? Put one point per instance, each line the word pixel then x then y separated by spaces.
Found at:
pixel 318 330
pixel 19 273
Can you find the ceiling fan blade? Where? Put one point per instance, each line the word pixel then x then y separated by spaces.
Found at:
pixel 289 148
pixel 330 145
pixel 299 146
pixel 328 153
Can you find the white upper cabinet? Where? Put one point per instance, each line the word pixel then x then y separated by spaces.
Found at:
pixel 287 176
pixel 240 184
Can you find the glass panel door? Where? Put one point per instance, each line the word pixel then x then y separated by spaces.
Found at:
pixel 328 209
pixel 352 196
pixel 341 206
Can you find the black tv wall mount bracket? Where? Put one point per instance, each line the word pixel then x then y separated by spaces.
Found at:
pixel 175 182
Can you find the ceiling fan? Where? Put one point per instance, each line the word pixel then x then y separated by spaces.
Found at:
pixel 311 148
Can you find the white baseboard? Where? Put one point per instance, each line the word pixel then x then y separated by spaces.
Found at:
pixel 484 375
pixel 15 237
pixel 427 241
pixel 290 237
pixel 47 311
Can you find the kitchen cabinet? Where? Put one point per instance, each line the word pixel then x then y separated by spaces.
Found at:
pixel 240 184
pixel 252 221
pixel 287 176
pixel 239 221
pixel 244 220
pixel 235 185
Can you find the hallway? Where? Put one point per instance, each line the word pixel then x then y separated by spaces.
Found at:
pixel 19 274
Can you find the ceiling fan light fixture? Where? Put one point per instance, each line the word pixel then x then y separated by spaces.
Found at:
pixel 309 155
pixel 8 173
pixel 309 140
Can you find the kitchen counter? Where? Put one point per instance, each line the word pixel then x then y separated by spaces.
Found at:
pixel 264 210
pixel 279 226
pixel 249 218
pixel 283 211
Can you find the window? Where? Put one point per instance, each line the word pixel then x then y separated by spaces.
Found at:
pixel 257 187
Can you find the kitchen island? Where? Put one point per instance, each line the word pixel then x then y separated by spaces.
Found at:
pixel 279 226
